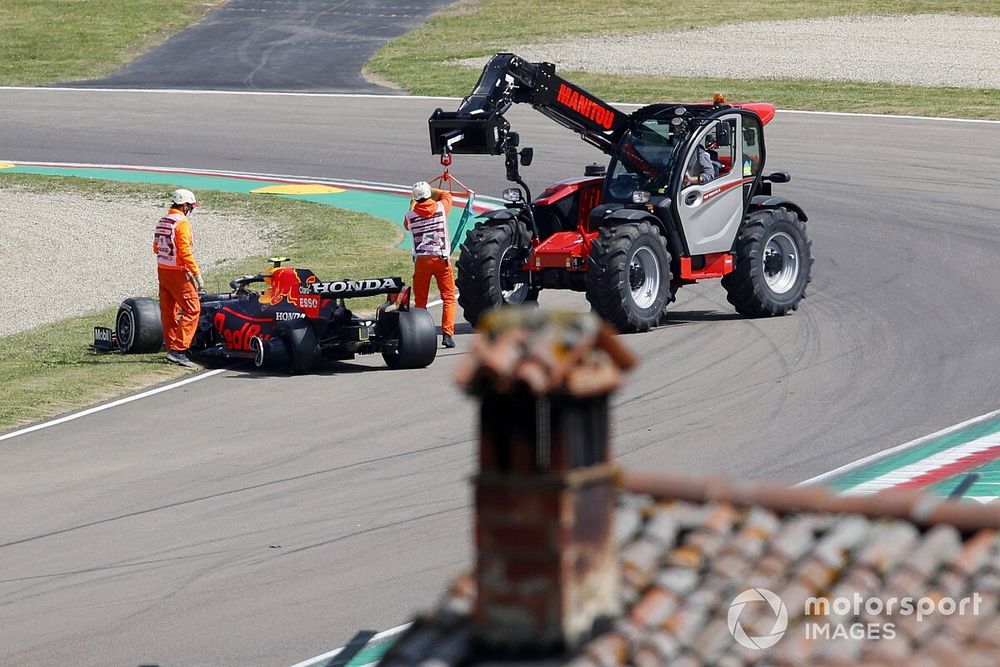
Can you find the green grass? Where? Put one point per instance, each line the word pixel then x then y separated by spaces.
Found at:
pixel 49 41
pixel 49 370
pixel 418 61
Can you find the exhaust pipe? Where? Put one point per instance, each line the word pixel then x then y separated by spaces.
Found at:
pixel 269 353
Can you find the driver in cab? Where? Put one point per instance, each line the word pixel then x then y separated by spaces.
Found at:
pixel 703 168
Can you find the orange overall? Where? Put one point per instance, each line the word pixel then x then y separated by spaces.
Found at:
pixel 175 266
pixel 428 222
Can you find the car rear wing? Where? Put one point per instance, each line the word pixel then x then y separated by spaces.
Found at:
pixel 352 289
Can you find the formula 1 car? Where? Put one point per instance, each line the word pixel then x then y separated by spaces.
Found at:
pixel 293 323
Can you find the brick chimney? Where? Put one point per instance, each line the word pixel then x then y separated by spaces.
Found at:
pixel 547 570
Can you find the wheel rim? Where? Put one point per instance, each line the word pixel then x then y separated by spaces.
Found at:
pixel 124 328
pixel 781 263
pixel 644 277
pixel 257 347
pixel 518 291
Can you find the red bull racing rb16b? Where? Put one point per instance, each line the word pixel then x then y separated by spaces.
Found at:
pixel 293 323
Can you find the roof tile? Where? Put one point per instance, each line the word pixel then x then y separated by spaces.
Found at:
pixel 686 555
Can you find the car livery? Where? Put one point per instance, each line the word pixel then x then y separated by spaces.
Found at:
pixel 295 322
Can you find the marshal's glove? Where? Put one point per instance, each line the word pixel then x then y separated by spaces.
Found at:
pixel 198 282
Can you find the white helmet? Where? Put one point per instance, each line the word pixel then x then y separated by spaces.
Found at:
pixel 182 196
pixel 421 190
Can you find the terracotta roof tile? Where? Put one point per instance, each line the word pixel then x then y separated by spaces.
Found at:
pixel 547 352
pixel 688 547
pixel 658 648
pixel 654 607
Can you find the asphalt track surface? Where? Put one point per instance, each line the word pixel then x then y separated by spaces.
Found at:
pixel 254 519
pixel 303 45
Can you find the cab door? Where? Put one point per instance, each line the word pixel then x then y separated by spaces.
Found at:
pixel 711 213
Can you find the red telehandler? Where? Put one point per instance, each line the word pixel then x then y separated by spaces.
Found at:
pixel 630 234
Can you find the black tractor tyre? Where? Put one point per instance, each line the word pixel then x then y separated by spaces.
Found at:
pixel 416 337
pixel 628 279
pixel 303 348
pixel 773 264
pixel 488 251
pixel 138 327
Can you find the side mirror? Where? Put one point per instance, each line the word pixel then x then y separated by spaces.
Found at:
pixel 526 156
pixel 513 195
pixel 778 177
pixel 722 135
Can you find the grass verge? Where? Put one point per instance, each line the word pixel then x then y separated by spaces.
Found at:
pixel 49 41
pixel 49 370
pixel 418 60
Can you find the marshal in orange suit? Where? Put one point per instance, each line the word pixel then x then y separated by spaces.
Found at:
pixel 179 276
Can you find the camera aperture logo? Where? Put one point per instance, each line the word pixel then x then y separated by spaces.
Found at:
pixel 777 608
pixel 855 617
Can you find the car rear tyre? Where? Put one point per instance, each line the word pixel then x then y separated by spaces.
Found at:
pixel 773 264
pixel 628 280
pixel 414 339
pixel 303 348
pixel 138 327
pixel 489 258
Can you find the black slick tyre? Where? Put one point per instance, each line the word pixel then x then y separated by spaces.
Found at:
pixel 628 280
pixel 303 349
pixel 415 339
pixel 773 264
pixel 489 255
pixel 138 327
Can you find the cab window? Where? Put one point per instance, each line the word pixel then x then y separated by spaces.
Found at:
pixel 725 145
pixel 751 148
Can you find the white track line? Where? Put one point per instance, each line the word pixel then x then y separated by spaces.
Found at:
pixel 399 629
pixel 892 116
pixel 811 480
pixel 387 634
pixel 899 448
pixel 255 93
pixel 906 473
pixel 489 202
pixel 113 404
pixel 127 399
pixel 201 376
pixel 262 93
pixel 846 468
